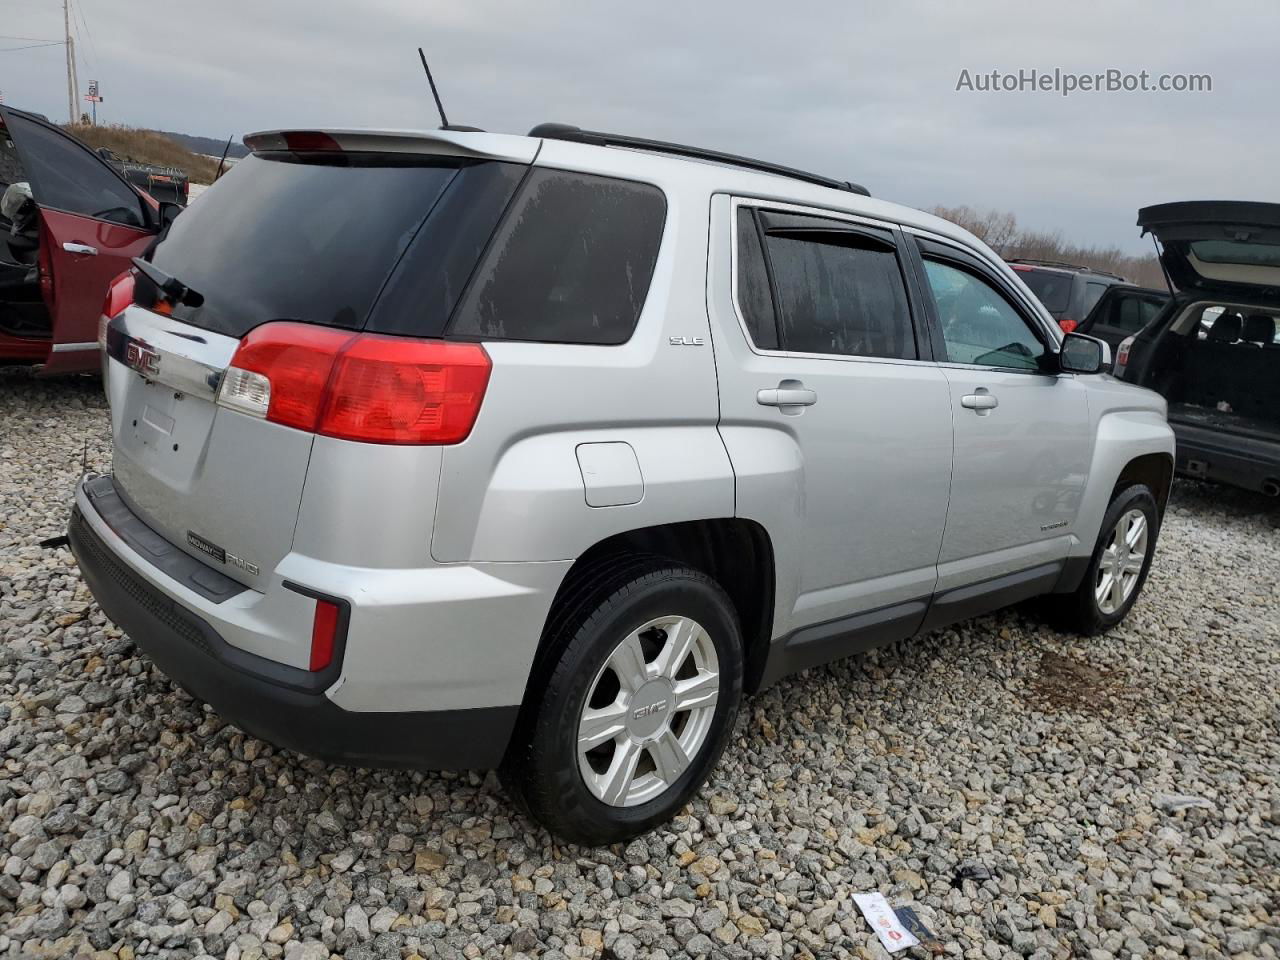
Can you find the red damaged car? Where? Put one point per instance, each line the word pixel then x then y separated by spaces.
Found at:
pixel 69 224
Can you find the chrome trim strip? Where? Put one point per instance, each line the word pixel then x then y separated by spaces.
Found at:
pixel 152 335
pixel 74 347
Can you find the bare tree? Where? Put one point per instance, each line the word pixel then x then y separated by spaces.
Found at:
pixel 1000 231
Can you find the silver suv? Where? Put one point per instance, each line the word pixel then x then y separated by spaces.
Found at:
pixel 453 449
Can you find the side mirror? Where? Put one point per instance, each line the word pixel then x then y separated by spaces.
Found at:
pixel 169 212
pixel 1083 354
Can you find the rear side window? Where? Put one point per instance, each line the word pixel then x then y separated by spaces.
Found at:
pixel 1134 313
pixel 840 293
pixel 570 263
pixel 286 238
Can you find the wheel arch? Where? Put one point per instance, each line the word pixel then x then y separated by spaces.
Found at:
pixel 1154 470
pixel 736 553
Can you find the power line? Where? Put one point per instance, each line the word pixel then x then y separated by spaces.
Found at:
pixel 34 46
pixel 5 36
pixel 84 22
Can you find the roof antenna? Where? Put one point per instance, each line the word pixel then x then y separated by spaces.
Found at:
pixel 222 163
pixel 444 121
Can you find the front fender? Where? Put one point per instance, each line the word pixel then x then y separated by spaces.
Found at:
pixel 1121 437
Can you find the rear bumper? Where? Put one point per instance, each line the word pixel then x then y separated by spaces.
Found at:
pixel 287 706
pixel 1246 462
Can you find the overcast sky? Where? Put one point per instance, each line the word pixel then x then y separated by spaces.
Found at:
pixel 858 90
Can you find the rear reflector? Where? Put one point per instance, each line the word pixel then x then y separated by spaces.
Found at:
pixel 1068 326
pixel 362 387
pixel 324 633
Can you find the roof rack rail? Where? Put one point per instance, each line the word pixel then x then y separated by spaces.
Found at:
pixel 1063 265
pixel 565 131
pixel 1046 263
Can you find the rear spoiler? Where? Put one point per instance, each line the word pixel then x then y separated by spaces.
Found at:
pixel 1188 218
pixel 443 143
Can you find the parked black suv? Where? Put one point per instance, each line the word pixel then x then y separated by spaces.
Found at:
pixel 1069 292
pixel 1123 310
pixel 1213 352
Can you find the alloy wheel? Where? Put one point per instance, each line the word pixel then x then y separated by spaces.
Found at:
pixel 648 711
pixel 1121 562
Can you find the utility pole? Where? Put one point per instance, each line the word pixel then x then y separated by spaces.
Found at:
pixel 71 62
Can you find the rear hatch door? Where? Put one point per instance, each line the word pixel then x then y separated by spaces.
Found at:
pixel 288 236
pixel 1221 248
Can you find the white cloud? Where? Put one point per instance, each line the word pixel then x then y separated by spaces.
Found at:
pixel 860 90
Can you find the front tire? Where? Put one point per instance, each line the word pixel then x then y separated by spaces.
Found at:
pixel 1119 565
pixel 635 703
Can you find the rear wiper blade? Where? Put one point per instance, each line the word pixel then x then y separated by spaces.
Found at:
pixel 174 290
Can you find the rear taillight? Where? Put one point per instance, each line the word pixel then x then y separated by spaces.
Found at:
pixel 362 387
pixel 1122 355
pixel 119 296
pixel 1067 325
pixel 324 634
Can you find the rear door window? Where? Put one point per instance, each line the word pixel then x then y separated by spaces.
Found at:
pixel 754 299
pixel 571 262
pixel 66 175
pixel 838 290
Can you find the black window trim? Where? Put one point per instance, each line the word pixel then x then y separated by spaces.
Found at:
pixel 856 224
pixel 508 211
pixel 932 247
pixel 145 211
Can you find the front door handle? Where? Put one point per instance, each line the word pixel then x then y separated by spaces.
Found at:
pixel 788 393
pixel 981 400
pixel 81 248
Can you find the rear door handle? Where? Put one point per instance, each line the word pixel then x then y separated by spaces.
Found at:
pixel 980 401
pixel 81 248
pixel 789 393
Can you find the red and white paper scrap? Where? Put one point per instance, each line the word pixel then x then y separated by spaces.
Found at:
pixel 884 922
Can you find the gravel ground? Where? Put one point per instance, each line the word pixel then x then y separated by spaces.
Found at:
pixel 1124 791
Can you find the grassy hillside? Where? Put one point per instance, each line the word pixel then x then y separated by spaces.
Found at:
pixel 147 146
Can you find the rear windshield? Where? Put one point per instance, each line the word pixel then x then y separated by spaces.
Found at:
pixel 1236 251
pixel 280 238
pixel 1052 289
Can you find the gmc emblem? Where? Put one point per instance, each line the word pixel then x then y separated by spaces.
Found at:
pixel 650 710
pixel 145 361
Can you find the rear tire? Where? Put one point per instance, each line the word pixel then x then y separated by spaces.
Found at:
pixel 634 703
pixel 1119 565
